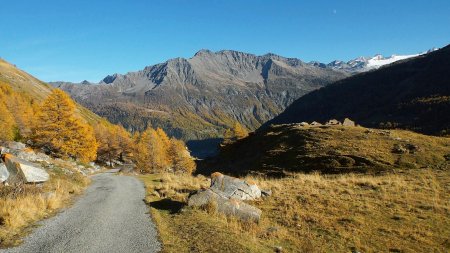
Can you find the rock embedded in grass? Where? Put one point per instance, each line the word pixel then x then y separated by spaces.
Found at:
pixel 232 207
pixel 227 194
pixel 234 188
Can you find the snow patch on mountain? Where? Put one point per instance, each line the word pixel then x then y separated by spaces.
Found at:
pixel 362 64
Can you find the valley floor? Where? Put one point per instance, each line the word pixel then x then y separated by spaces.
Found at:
pixel 402 211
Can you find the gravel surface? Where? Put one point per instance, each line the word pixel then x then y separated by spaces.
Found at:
pixel 110 217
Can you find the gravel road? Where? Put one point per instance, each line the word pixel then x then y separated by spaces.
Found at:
pixel 110 217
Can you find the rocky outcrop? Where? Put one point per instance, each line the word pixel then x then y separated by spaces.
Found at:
pixel 227 194
pixel 333 122
pixel 227 206
pixel 348 122
pixel 22 171
pixel 234 188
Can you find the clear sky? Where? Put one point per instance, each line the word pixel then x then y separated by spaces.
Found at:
pixel 89 39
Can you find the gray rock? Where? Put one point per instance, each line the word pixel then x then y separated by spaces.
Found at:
pixel 232 207
pixel 315 123
pixel 304 124
pixel 14 145
pixel 30 155
pixel 333 122
pixel 234 188
pixel 4 173
pixel 348 122
pixel 22 171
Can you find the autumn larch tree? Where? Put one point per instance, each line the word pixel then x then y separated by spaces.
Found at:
pixel 235 133
pixel 182 160
pixel 61 132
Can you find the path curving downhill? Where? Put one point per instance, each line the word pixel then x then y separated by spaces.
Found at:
pixel 110 217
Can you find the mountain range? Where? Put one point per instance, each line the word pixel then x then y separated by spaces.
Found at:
pixel 200 97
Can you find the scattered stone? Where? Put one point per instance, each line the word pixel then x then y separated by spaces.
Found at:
pixel 278 249
pixel 348 122
pixel 447 157
pixel 405 148
pixel 304 124
pixel 333 122
pixel 315 123
pixel 24 171
pixel 233 207
pixel 266 193
pixel 234 188
pixel 4 173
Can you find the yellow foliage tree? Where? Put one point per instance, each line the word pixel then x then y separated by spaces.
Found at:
pixel 182 160
pixel 7 124
pixel 108 147
pixel 150 154
pixel 155 152
pixel 60 131
pixel 24 114
pixel 235 133
pixel 125 142
pixel 18 113
pixel 164 143
pixel 114 142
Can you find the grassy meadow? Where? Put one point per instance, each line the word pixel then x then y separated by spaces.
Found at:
pixel 385 191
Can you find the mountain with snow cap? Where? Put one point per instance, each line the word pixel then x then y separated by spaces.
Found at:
pixel 362 64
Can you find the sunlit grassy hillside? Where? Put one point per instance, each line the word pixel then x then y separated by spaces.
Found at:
pixel 281 149
pixel 23 82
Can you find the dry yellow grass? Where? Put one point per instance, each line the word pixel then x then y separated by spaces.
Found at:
pixel 405 211
pixel 21 206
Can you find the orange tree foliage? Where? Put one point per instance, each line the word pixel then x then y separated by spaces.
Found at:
pixel 180 157
pixel 156 153
pixel 60 131
pixel 235 133
pixel 7 124
pixel 114 142
pixel 17 113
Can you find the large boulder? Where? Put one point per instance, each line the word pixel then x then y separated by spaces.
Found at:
pixel 24 171
pixel 4 173
pixel 234 188
pixel 348 122
pixel 232 207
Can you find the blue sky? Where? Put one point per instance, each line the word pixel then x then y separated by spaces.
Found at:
pixel 77 40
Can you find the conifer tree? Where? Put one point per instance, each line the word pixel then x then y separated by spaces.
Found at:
pixel 7 124
pixel 235 133
pixel 61 132
pixel 181 158
pixel 145 157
